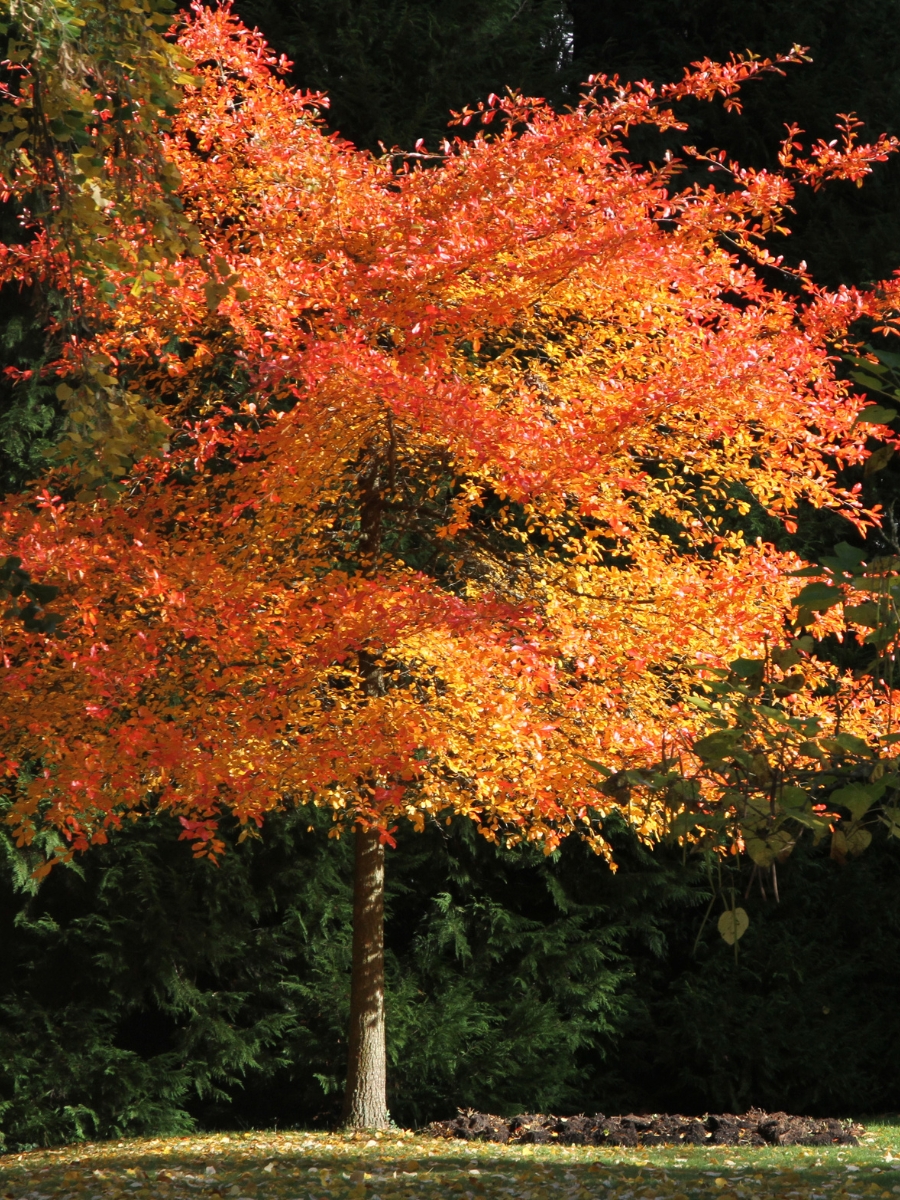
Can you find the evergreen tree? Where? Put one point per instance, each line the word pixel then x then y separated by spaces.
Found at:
pixel 394 69
pixel 147 992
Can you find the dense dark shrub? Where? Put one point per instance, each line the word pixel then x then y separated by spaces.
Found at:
pixel 144 992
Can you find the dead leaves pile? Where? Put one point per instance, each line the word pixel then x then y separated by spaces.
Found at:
pixel 404 1166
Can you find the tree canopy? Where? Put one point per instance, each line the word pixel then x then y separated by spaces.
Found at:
pixel 460 447
pixel 457 463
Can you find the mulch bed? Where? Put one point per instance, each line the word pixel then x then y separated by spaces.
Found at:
pixel 754 1128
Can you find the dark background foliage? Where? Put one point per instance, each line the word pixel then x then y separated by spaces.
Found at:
pixel 144 992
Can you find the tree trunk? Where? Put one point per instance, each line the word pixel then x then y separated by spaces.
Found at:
pixel 365 1100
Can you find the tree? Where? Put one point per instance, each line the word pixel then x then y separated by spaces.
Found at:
pixel 452 504
pixel 85 92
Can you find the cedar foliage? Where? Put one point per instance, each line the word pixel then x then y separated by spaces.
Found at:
pixel 149 991
pixel 150 994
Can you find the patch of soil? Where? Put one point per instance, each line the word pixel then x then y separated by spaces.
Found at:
pixel 754 1128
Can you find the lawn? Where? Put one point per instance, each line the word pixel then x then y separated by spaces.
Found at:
pixel 407 1166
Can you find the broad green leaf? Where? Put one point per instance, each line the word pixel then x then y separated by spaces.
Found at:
pixel 865 365
pixel 810 748
pixel 717 745
pixel 858 797
pixel 855 745
pixel 867 380
pixel 882 636
pixel 868 583
pixel 862 614
pixel 786 658
pixel 857 839
pixel 878 460
pixel 793 797
pixel 818 823
pixel 874 414
pixel 765 850
pixel 849 556
pixel 733 924
pixel 748 668
pixel 790 685
pixel 596 766
pixel 818 597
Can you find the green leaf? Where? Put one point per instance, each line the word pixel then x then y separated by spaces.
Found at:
pixel 862 614
pixel 814 821
pixel 855 745
pixel 874 414
pixel 793 797
pixel 867 583
pixel 786 658
pixel 867 380
pixel 857 839
pixel 849 555
pixel 811 748
pixel 716 746
pixel 880 638
pixel 215 293
pixel 43 593
pixel 865 365
pixel 733 924
pixel 838 845
pixel 748 668
pixel 858 797
pixel 790 685
pixel 764 850
pixel 818 596
pixel 878 460
pixel 596 766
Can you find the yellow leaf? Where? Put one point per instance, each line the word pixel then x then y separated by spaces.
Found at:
pixel 733 924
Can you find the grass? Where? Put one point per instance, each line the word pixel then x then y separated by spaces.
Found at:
pixel 407 1166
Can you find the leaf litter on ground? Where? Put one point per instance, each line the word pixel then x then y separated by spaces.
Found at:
pixel 756 1127
pixel 402 1165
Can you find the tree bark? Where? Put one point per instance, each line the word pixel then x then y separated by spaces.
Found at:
pixel 365 1099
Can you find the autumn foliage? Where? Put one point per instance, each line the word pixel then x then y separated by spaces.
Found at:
pixel 461 446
